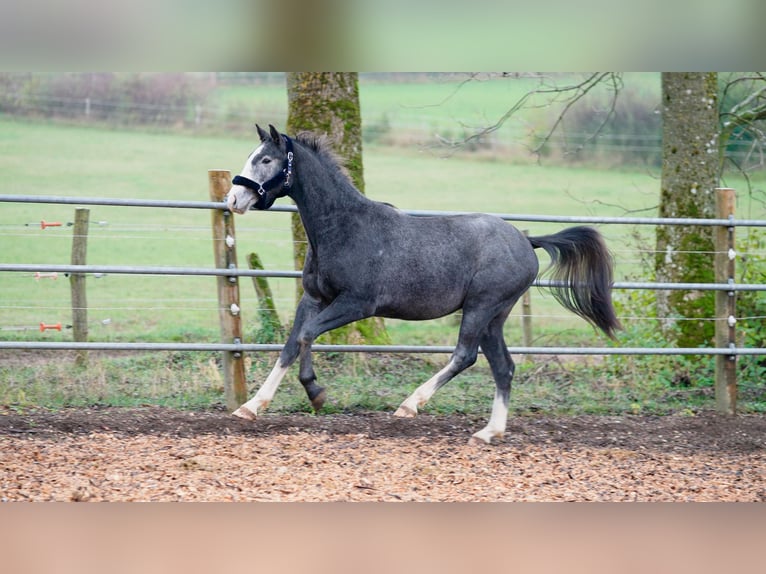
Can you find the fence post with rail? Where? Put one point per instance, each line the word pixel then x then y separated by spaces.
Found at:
pixel 725 304
pixel 225 250
pixel 77 282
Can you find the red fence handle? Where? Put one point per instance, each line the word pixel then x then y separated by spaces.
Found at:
pixel 44 327
pixel 44 224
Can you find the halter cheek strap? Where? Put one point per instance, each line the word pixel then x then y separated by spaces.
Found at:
pixel 284 178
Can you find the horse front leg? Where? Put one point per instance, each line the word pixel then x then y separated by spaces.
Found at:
pixel 252 408
pixel 421 395
pixel 307 308
pixel 308 378
pixel 341 311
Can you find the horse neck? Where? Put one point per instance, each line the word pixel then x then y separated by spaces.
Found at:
pixel 325 198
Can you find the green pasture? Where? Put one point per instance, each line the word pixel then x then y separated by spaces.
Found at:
pixel 42 159
pixel 78 161
pixel 448 107
pixel 89 162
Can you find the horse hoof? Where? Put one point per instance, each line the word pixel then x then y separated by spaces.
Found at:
pixel 405 412
pixel 482 438
pixel 477 441
pixel 244 413
pixel 318 401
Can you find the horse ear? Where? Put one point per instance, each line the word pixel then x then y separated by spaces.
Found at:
pixel 275 134
pixel 261 133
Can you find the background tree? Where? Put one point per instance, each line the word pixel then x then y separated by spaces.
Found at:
pixel 328 103
pixel 707 125
pixel 690 174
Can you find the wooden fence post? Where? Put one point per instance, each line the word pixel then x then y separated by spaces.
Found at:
pixel 725 305
pixel 224 246
pixel 77 283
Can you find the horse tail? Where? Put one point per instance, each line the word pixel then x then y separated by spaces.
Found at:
pixel 582 274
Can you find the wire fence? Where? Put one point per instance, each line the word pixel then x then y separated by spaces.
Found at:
pixel 198 113
pixel 52 270
pixel 725 350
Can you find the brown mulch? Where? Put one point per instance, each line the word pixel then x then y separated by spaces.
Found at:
pixel 153 453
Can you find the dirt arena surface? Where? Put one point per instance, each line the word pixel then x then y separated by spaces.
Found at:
pixel 156 454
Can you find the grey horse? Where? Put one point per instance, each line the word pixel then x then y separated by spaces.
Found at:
pixel 368 258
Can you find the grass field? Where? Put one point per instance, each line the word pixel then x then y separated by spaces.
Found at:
pixel 448 105
pixel 88 162
pixel 37 158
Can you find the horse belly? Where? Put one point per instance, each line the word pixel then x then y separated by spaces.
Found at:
pixel 416 312
pixel 420 302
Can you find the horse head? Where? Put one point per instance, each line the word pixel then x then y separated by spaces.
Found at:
pixel 267 174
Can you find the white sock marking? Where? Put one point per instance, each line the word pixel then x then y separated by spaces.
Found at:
pixel 264 395
pixel 497 421
pixel 422 394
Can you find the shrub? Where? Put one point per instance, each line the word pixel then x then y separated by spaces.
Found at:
pixel 630 134
pixel 154 99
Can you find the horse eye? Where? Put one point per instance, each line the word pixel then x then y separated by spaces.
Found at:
pixel 266 160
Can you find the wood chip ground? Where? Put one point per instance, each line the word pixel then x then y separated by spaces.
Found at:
pixel 155 454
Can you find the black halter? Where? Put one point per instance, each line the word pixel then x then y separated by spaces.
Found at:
pixel 284 178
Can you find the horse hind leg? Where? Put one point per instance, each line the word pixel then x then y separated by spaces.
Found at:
pixel 494 348
pixel 464 356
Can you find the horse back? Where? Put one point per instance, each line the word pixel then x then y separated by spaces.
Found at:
pixel 412 267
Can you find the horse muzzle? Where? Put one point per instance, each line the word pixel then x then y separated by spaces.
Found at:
pixel 240 199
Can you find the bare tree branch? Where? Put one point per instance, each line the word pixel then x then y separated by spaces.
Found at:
pixel 472 76
pixel 547 94
pixel 616 85
pixel 744 120
pixel 746 112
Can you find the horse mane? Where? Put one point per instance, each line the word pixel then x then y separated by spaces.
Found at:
pixel 322 146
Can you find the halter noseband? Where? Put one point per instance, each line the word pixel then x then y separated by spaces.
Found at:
pixel 284 178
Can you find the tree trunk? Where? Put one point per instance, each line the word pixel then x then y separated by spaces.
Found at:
pixel 328 103
pixel 689 178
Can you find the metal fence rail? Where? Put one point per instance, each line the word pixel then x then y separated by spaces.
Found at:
pixel 421 349
pixel 111 201
pixel 146 270
pixel 236 272
pixel 121 202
